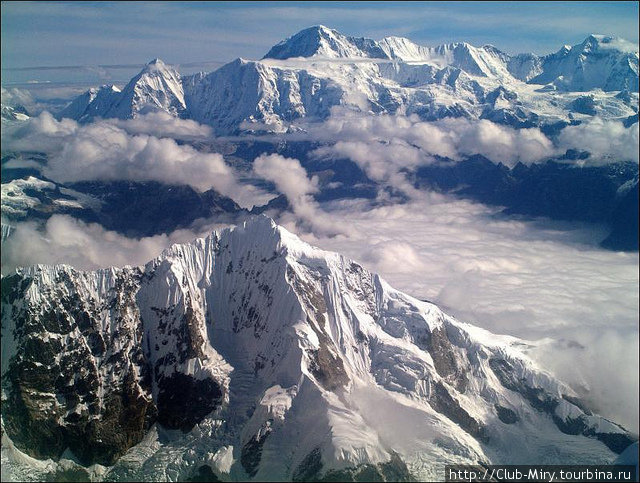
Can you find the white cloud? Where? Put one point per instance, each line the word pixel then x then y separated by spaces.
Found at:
pixel 606 141
pixel 386 147
pixel 616 43
pixel 164 125
pixel 454 138
pixel 390 147
pixel 288 175
pixel 86 246
pixel 292 181
pixel 106 151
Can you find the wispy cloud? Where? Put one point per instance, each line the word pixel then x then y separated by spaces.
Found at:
pixel 291 179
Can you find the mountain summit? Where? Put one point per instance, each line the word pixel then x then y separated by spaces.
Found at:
pixel 321 41
pixel 251 355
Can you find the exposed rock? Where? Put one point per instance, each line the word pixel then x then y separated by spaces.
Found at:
pixel 506 415
pixel 183 401
pixel 444 403
pixel 310 467
pixel 252 451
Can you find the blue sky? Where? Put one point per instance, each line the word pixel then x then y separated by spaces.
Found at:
pixel 107 33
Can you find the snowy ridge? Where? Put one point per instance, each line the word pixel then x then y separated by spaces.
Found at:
pixel 277 360
pixel 305 75
pixel 598 62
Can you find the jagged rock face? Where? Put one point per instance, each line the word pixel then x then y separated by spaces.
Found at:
pixel 270 359
pixel 77 377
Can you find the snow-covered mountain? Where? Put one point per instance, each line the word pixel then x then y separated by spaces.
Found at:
pixel 14 105
pixel 135 209
pixel 252 355
pixel 156 87
pixel 597 63
pixel 96 102
pixel 318 68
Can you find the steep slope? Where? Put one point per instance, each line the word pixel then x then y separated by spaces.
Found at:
pixel 156 87
pixel 275 360
pixel 485 61
pixel 259 96
pixel 14 104
pixel 92 104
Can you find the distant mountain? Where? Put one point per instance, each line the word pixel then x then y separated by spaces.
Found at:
pixel 596 63
pixel 318 68
pixel 134 209
pixel 96 102
pixel 14 105
pixel 320 41
pixel 250 355
pixel 156 87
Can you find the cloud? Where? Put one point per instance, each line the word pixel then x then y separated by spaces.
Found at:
pixel 16 97
pixel 105 150
pixel 606 141
pixel 43 134
pixel 388 147
pixel 454 138
pixel 542 281
pixel 622 45
pixel 163 124
pixel 288 175
pixel 86 246
pixel 291 179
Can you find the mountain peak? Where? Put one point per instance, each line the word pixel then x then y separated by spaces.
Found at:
pixel 599 42
pixel 321 41
pixel 156 65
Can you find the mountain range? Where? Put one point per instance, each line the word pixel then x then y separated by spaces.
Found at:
pixel 306 75
pixel 250 354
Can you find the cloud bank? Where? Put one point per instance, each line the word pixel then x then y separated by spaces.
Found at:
pixel 606 141
pixel 129 150
pixel 454 138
